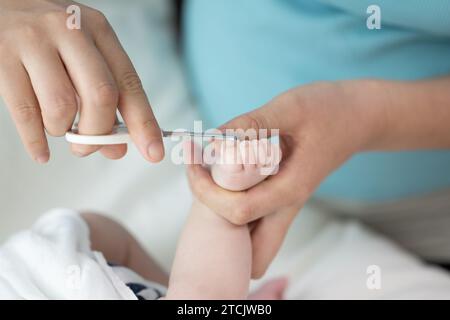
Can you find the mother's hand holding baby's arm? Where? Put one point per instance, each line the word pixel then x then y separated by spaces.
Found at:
pixel 322 125
pixel 48 71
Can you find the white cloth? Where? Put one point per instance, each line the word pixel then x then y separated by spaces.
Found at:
pixel 53 260
pixel 328 258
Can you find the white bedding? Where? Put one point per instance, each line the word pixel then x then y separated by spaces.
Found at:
pixel 53 259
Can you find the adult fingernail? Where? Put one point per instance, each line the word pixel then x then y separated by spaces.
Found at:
pixel 155 151
pixel 43 158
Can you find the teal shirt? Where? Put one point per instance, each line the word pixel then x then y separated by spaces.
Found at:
pixel 240 54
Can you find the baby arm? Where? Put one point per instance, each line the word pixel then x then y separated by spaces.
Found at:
pixel 214 257
pixel 120 247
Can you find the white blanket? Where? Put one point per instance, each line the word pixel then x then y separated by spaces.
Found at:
pixel 53 260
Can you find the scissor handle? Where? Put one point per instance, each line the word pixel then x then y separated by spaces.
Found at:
pixel 120 135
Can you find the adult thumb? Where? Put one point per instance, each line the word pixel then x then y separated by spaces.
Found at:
pixel 281 113
pixel 259 119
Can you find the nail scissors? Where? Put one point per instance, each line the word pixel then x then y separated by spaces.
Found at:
pixel 120 135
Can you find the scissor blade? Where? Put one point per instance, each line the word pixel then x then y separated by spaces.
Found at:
pixel 166 133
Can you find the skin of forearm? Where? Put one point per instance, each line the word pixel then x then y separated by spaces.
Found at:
pixel 213 258
pixel 120 247
pixel 403 115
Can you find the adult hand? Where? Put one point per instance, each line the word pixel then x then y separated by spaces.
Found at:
pixel 321 125
pixel 49 71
